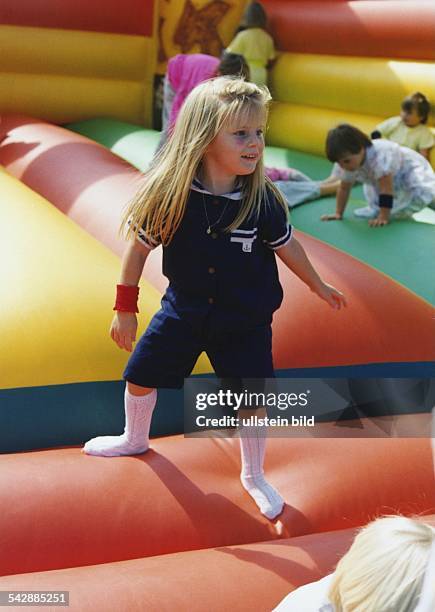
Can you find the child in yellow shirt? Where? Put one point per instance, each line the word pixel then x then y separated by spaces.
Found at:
pixel 254 43
pixel 409 129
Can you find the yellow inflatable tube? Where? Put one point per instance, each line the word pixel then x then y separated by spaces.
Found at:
pixel 62 99
pixel 55 310
pixel 363 85
pixel 65 75
pixel 51 51
pixel 304 128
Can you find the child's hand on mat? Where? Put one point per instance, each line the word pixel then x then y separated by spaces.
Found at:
pixel 378 222
pixel 123 330
pixel 331 295
pixel 382 219
pixel 332 217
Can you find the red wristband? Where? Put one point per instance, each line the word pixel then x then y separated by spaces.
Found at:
pixel 126 298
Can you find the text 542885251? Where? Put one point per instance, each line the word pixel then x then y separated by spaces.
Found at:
pixel 34 598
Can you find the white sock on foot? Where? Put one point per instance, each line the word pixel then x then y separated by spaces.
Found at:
pixel 253 447
pixel 367 212
pixel 135 439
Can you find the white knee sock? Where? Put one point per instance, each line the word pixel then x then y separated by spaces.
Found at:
pixel 135 439
pixel 253 447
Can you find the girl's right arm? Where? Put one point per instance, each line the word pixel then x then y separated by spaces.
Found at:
pixel 124 325
pixel 343 193
pixel 425 153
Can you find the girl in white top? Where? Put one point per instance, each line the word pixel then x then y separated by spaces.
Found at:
pixel 387 569
pixel 396 180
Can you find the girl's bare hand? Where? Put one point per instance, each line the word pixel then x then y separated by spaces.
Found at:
pixel 123 330
pixel 331 295
pixel 332 217
pixel 378 222
pixel 382 218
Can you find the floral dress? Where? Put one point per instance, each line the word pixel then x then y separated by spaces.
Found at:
pixel 413 177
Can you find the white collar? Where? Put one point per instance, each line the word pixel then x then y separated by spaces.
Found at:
pixel 235 194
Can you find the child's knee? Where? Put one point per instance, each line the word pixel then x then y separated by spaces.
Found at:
pixel 138 390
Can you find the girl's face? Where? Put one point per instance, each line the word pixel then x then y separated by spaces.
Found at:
pixel 352 161
pixel 410 118
pixel 236 149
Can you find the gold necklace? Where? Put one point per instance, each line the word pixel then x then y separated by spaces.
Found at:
pixel 210 225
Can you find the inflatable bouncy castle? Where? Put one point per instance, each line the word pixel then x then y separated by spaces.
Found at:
pixel 76 109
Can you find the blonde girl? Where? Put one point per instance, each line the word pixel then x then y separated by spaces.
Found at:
pixel 220 222
pixel 388 568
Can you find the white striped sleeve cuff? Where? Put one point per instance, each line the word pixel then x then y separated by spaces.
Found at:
pixel 148 242
pixel 282 241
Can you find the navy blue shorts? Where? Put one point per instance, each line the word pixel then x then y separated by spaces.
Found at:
pixel 167 352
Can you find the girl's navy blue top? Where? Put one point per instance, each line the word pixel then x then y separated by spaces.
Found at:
pixel 231 277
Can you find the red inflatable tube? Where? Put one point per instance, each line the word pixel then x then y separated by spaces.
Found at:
pixel 309 333
pixel 185 494
pixel 237 578
pixel 246 577
pixel 91 185
pixel 369 28
pixel 129 17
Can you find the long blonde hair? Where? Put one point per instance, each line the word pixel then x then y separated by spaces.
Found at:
pixel 383 571
pixel 160 203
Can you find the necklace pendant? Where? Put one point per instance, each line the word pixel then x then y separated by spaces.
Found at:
pixel 208 230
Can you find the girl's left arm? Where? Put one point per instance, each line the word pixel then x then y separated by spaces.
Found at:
pixel 385 184
pixel 295 258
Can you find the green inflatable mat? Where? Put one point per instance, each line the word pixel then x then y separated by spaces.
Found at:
pixel 403 250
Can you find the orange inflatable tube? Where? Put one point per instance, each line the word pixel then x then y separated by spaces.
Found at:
pixel 371 28
pixel 184 494
pixel 246 577
pixel 237 578
pixel 133 17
